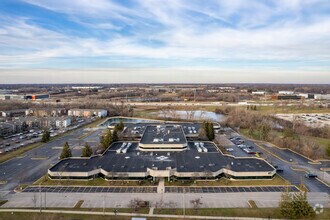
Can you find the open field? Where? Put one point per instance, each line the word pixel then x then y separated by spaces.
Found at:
pixel 276 181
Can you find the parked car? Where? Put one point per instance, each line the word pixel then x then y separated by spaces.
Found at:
pixel 310 175
pixel 230 149
pixel 279 170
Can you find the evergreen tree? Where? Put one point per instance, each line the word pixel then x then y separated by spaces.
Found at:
pixel 210 131
pixel 86 151
pixel 114 136
pixel 120 126
pixel 45 136
pixel 295 206
pixel 66 151
pixel 106 140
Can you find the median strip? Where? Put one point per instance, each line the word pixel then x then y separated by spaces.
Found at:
pixel 39 158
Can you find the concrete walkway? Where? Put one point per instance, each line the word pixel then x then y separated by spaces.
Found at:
pixel 161 186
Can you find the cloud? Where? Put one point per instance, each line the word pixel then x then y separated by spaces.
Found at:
pixel 212 34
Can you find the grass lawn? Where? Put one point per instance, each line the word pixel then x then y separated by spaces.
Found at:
pixel 291 109
pixel 49 216
pixel 2 202
pixel 234 212
pixel 277 180
pixel 97 182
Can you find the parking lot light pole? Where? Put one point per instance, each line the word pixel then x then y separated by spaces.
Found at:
pixel 183 204
pixel 103 204
pixel 40 197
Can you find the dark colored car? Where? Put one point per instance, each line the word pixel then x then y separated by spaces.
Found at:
pixel 310 175
pixel 279 170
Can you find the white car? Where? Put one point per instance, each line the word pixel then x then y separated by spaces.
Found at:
pixel 230 149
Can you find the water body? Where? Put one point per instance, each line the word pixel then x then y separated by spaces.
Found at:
pixel 192 115
pixel 116 120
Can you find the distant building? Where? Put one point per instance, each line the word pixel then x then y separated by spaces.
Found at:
pixel 46 112
pixel 37 96
pixel 87 87
pixel 63 122
pixel 286 97
pixel 22 97
pixel 286 92
pixel 322 96
pixel 44 122
pixel 10 127
pixel 88 113
pixel 13 113
pixel 258 93
pixel 11 97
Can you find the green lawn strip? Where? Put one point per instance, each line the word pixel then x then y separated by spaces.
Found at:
pixel 252 204
pixel 78 204
pixel 2 202
pixel 276 181
pixel 96 182
pixel 77 208
pixel 235 212
pixel 51 216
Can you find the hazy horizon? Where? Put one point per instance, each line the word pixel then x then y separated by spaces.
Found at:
pixel 148 41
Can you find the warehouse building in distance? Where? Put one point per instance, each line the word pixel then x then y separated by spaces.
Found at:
pixel 88 113
pixel 162 152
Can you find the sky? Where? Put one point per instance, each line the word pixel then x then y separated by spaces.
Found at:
pixel 165 41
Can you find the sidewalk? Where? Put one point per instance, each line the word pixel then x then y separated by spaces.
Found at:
pixel 161 186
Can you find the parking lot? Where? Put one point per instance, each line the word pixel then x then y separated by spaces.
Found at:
pixel 233 189
pixel 91 189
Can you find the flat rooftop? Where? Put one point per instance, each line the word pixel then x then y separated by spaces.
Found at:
pixel 190 160
pixel 163 134
pixel 137 128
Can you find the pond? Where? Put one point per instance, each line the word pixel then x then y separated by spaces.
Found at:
pixel 116 120
pixel 192 115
